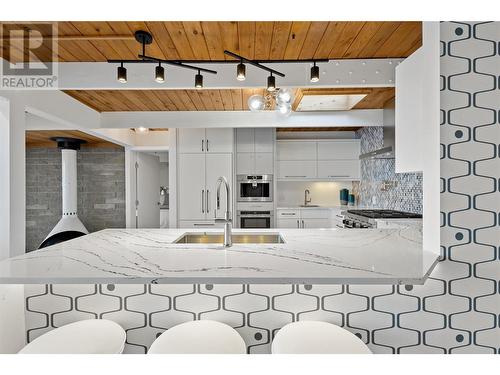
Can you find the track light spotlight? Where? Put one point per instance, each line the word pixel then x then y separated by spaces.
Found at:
pixel 198 80
pixel 241 72
pixel 159 73
pixel 314 73
pixel 271 83
pixel 122 74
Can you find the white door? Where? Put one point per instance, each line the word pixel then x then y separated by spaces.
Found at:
pixel 191 187
pixel 217 165
pixel 219 139
pixel 148 191
pixel 191 140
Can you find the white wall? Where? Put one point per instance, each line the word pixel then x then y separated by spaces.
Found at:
pixel 324 193
pixel 12 177
pixel 12 321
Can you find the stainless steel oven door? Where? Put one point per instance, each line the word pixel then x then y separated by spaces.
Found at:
pixel 254 188
pixel 255 219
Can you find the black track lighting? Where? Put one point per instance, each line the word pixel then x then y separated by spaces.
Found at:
pixel 198 80
pixel 241 72
pixel 160 73
pixel 271 83
pixel 122 74
pixel 315 73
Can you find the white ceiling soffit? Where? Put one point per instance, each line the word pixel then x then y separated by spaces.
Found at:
pixel 328 102
pixel 241 119
pixel 336 73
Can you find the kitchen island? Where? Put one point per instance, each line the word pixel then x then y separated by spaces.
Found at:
pixel 155 256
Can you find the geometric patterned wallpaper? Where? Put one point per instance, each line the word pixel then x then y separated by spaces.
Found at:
pixel 456 311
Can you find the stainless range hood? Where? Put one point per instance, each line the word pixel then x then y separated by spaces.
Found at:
pixel 387 151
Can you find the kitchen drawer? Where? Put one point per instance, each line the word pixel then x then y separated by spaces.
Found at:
pixel 315 213
pixel 288 214
pixel 296 169
pixel 315 223
pixel 339 169
pixel 199 224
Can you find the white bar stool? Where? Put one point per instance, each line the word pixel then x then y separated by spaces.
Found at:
pixel 313 337
pixel 199 337
pixel 93 336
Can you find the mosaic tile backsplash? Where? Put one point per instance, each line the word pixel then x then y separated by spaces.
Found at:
pixel 403 191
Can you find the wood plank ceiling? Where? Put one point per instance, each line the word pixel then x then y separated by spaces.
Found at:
pixel 207 100
pixel 99 41
pixel 41 138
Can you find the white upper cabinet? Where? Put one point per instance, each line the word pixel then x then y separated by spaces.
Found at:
pixel 219 140
pixel 191 140
pixel 191 187
pixel 212 140
pixel 264 140
pixel 245 140
pixel 339 149
pixel 297 150
pixel 254 150
pixel 319 159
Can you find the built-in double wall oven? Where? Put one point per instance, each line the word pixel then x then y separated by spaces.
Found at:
pixel 256 188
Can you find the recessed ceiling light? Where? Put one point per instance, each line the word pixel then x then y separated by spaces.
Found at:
pixel 141 130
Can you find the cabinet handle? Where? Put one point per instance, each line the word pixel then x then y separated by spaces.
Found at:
pixel 298 224
pixel 339 175
pixel 202 201
pixel 287 214
pixel 207 146
pixel 303 226
pixel 296 176
pixel 202 145
pixel 203 225
pixel 208 202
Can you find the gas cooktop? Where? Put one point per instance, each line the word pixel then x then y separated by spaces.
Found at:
pixel 385 214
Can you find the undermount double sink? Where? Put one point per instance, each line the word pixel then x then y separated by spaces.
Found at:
pixel 237 238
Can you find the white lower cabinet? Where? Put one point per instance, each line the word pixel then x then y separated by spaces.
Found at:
pixel 200 224
pixel 305 218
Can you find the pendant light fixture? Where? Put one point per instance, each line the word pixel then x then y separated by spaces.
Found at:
pixel 122 74
pixel 271 83
pixel 198 80
pixel 315 73
pixel 241 72
pixel 160 73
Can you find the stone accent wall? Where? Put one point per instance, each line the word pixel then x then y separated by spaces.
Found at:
pixel 101 190
pixel 396 191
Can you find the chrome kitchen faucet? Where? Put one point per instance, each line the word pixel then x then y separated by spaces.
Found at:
pixel 227 215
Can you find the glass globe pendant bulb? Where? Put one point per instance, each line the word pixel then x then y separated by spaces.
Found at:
pixel 256 103
pixel 284 96
pixel 284 109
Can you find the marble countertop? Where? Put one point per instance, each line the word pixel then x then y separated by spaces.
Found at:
pixel 308 256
